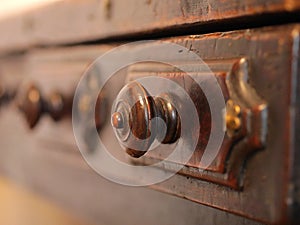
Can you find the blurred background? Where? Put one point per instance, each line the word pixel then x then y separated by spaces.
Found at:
pixel 13 7
pixel 17 205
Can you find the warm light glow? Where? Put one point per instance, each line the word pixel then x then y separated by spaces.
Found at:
pixel 13 7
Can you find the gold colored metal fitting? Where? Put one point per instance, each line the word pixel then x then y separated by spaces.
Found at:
pixel 233 123
pixel 233 119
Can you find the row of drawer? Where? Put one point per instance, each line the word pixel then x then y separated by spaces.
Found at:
pixel 261 185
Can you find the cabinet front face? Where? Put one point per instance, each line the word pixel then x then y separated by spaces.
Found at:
pixel 257 73
pixel 222 127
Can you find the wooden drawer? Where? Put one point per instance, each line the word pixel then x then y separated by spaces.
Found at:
pixel 46 160
pixel 266 178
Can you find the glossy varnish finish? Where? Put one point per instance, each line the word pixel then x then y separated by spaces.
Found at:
pixel 133 119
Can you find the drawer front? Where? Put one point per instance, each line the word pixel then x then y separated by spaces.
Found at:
pixel 249 175
pixel 252 174
pixel 46 160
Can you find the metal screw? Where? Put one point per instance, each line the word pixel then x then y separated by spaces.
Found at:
pixel 117 120
pixel 233 120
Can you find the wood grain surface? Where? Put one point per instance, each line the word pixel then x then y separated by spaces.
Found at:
pixel 51 165
pixel 65 22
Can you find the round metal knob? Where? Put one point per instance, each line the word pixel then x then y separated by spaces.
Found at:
pixel 33 105
pixel 56 106
pixel 137 119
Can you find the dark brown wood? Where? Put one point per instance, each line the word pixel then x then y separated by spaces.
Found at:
pixel 65 22
pixel 52 166
pixel 33 104
pixel 232 76
pixel 266 171
pixel 46 160
pixel 133 119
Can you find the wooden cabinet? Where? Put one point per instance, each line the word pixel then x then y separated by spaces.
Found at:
pixel 253 178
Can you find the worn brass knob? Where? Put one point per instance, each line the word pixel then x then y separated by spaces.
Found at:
pixel 34 105
pixel 138 119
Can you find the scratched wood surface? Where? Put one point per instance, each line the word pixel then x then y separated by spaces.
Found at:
pixel 65 22
pixel 47 164
pixel 41 160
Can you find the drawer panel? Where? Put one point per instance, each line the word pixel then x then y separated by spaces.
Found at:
pixel 249 176
pixel 46 160
pixel 260 184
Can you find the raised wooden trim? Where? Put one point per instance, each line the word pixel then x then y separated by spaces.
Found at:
pixel 69 21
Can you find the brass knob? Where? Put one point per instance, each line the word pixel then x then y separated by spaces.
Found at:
pixel 34 105
pixel 135 119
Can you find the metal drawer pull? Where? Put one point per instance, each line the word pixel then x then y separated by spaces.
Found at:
pixel 132 124
pixel 33 104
